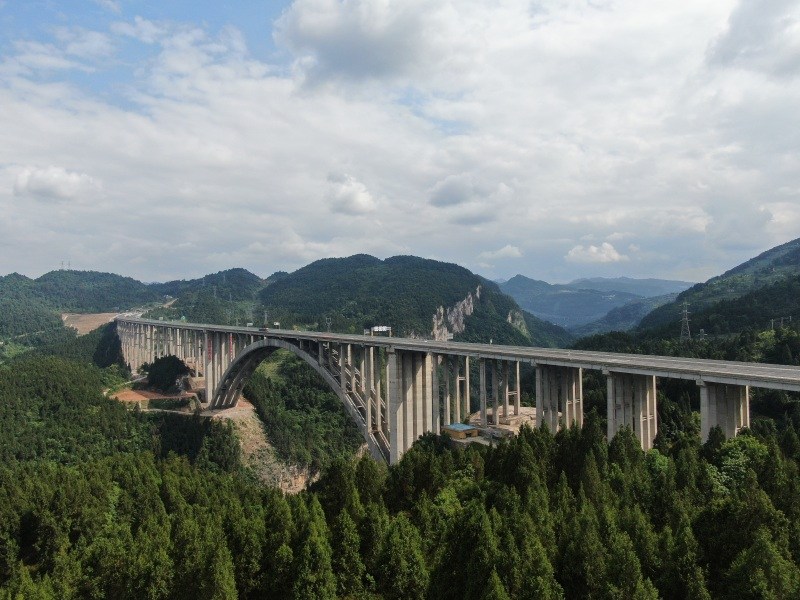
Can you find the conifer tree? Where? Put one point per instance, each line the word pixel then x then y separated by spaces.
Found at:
pixel 402 573
pixel 347 564
pixel 762 571
pixel 494 590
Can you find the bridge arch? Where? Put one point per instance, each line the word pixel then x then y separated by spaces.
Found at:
pixel 246 362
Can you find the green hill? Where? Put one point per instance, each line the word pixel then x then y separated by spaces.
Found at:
pixel 404 292
pixel 771 267
pixel 563 304
pixel 92 291
pixel 623 318
pixel 647 288
pixel 232 284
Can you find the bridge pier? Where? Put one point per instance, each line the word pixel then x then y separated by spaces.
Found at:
pixel 723 405
pixel 631 402
pixel 559 396
pixel 398 389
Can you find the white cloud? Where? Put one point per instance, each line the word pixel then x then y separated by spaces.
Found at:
pixel 359 39
pixel 447 125
pixel 604 253
pixel 112 5
pixel 349 196
pixel 83 43
pixel 141 29
pixel 762 36
pixel 507 251
pixel 54 183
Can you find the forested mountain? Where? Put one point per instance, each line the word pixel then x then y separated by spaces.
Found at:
pixel 91 291
pixel 95 503
pixel 623 318
pixel 771 267
pixel 233 284
pixel 565 305
pixel 404 292
pixel 646 288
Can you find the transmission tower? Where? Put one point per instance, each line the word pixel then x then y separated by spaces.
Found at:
pixel 686 334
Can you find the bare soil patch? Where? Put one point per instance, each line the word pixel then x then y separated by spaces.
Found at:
pixel 86 323
pixel 258 454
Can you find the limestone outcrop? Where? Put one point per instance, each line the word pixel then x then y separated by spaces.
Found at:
pixel 451 320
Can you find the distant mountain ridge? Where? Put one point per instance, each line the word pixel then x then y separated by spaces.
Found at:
pixel 414 296
pixel 646 288
pixel 407 293
pixel 771 267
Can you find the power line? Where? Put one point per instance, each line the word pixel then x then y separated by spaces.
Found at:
pixel 686 334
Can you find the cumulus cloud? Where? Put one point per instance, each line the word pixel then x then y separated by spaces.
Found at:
pixel 54 183
pixel 84 43
pixel 604 253
pixel 141 29
pixel 348 195
pixel 507 251
pixel 357 39
pixel 465 121
pixel 453 190
pixel 112 5
pixel 762 36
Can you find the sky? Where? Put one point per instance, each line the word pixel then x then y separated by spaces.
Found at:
pixel 174 138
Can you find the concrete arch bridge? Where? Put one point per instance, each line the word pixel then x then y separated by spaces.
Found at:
pixel 397 389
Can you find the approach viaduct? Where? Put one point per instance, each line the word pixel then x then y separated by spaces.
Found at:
pixel 397 389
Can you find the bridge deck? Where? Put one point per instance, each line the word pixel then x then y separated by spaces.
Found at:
pixel 700 370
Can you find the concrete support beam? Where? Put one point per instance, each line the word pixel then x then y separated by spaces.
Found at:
pixel 725 406
pixel 394 393
pixel 495 393
pixel 506 389
pixel 457 382
pixel 418 399
pixel 632 402
pixel 427 392
pixel 482 391
pixel 448 393
pixel 367 366
pixel 467 391
pixel 559 396
pixel 436 394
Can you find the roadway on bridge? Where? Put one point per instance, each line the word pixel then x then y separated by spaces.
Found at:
pixel 711 371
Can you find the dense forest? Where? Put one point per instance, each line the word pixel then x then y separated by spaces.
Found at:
pixel 93 506
pixel 304 419
pixel 98 501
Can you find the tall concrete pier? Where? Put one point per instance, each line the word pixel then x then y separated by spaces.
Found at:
pixel 398 389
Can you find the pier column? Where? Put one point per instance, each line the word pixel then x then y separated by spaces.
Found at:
pixel 207 368
pixel 407 399
pixel 559 396
pixel 457 382
pixel 467 392
pixel 394 393
pixel 723 405
pixel 482 391
pixel 573 387
pixel 495 394
pixel 448 394
pixel 506 390
pixel 632 402
pixel 436 395
pixel 367 362
pixel 342 376
pixel 423 418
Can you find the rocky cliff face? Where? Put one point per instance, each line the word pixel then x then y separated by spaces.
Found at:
pixel 517 321
pixel 448 321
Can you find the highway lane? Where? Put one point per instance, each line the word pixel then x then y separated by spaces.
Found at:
pixel 716 371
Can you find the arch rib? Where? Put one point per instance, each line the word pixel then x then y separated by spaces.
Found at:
pixel 245 363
